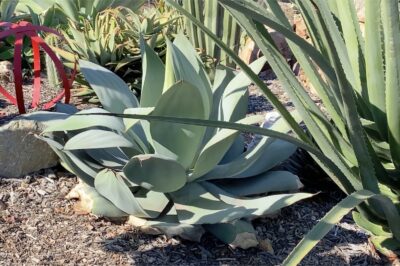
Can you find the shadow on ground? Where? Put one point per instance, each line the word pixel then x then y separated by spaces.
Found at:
pixel 346 244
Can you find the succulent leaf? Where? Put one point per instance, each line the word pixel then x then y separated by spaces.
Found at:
pixel 271 181
pixel 153 76
pixel 180 142
pixel 114 94
pixel 155 172
pixel 97 139
pixel 83 122
pixel 239 233
pixel 235 98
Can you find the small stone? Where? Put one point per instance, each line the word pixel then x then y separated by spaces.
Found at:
pixel 21 152
pixel 266 245
pixel 41 192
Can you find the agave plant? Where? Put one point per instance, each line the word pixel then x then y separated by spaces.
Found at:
pixel 356 76
pixel 172 177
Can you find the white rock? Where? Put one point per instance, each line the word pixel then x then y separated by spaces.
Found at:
pixel 21 152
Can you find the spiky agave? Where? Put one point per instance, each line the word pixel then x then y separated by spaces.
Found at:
pixel 171 175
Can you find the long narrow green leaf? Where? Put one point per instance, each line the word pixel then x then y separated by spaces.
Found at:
pixel 210 21
pixel 335 215
pixel 374 65
pixel 299 97
pixel 391 24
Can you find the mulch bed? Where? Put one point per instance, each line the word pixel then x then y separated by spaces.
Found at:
pixel 38 226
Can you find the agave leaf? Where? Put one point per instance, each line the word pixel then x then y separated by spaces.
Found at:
pixel 169 75
pixel 155 172
pixel 153 202
pixel 386 245
pixel 111 158
pixel 153 76
pixel 234 101
pixel 238 233
pixel 83 122
pixel 237 148
pixel 271 181
pixel 112 186
pixel 272 155
pixel 222 78
pixel 374 65
pixel 96 139
pixel 255 207
pixel 256 160
pixel 216 147
pixel 194 205
pixel 71 162
pixel 374 228
pixel 169 225
pixel 173 140
pixel 47 118
pixel 90 201
pixel 335 215
pixel 188 67
pixel 112 91
pixel 390 21
pixel 129 123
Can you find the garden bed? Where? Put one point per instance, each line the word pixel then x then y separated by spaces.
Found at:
pixel 39 226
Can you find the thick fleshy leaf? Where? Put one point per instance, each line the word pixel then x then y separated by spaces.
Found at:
pixel 72 163
pixel 234 151
pixel 223 77
pixel 153 203
pixel 257 159
pixel 155 172
pixel 82 122
pixel 140 111
pixel 168 225
pixel 239 233
pixel 112 186
pixel 114 94
pixel 217 146
pixel 259 206
pixel 180 142
pixel 189 68
pixel 272 181
pixel 235 98
pixel 272 155
pixel 195 205
pixel 91 201
pixel 47 118
pixel 153 76
pixel 96 139
pixel 110 158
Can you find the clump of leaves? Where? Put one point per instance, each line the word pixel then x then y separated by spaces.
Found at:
pixel 175 178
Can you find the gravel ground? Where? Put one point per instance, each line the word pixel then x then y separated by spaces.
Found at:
pixel 38 226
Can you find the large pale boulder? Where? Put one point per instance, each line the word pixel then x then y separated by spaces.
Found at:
pixel 21 152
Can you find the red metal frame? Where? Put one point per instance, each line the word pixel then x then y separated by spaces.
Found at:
pixel 20 30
